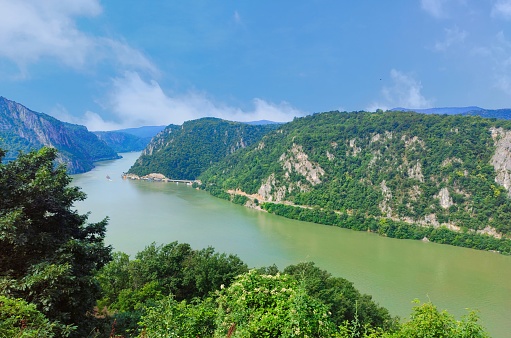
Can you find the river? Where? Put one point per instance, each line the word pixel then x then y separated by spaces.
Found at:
pixel 393 271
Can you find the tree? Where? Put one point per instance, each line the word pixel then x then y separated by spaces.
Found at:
pixel 344 301
pixel 256 305
pixel 20 319
pixel 49 253
pixel 426 321
pixel 170 318
pixel 174 270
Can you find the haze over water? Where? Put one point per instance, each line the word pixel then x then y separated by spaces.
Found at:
pixel 393 271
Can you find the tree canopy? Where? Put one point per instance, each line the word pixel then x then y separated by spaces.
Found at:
pixel 50 253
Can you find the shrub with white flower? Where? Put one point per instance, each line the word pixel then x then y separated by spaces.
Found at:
pixel 257 305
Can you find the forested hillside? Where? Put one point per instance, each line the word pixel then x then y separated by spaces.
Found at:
pixel 184 152
pixel 22 129
pixel 385 172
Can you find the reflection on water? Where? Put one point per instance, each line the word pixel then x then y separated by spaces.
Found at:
pixel 393 271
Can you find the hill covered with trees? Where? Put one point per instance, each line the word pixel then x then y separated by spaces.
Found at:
pixel 184 152
pixel 401 174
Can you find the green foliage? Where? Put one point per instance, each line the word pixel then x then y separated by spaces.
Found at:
pixel 427 322
pixel 49 253
pixel 258 305
pixel 184 152
pixel 239 199
pixel 21 319
pixel 175 269
pixel 374 166
pixel 344 301
pixel 169 318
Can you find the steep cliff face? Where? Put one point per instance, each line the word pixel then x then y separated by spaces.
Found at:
pixel 22 129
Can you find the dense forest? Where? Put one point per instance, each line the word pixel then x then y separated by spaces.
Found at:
pixel 58 279
pixel 184 152
pixel 400 174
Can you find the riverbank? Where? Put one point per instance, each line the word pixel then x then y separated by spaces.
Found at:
pixel 382 226
pixel 157 178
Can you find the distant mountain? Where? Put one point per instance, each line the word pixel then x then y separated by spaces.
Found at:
pixel 184 152
pixel 143 132
pixel 131 139
pixel 441 110
pixel 503 114
pixel 122 142
pixel 262 122
pixel 22 129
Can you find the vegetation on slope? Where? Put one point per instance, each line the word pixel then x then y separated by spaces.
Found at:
pixel 376 169
pixel 184 152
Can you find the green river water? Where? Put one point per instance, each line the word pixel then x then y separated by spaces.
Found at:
pixel 393 271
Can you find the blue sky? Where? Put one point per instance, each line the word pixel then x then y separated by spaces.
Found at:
pixel 116 64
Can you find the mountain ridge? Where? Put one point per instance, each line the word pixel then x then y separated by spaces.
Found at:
pixel 184 152
pixel 446 178
pixel 502 113
pixel 22 129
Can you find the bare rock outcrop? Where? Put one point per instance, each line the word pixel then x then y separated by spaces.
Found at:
pixel 501 159
pixel 445 199
pixel 296 160
pixel 387 198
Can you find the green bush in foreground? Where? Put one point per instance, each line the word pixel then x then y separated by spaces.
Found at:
pixel 21 319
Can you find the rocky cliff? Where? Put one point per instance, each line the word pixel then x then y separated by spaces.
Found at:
pixel 22 129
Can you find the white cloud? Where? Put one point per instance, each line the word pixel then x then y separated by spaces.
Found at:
pixel 34 29
pixel 91 120
pixel 405 92
pixel 502 8
pixel 452 36
pixel 434 7
pixel 135 102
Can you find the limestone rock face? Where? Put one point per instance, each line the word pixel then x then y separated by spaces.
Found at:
pixel 296 160
pixel 445 198
pixel 501 159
